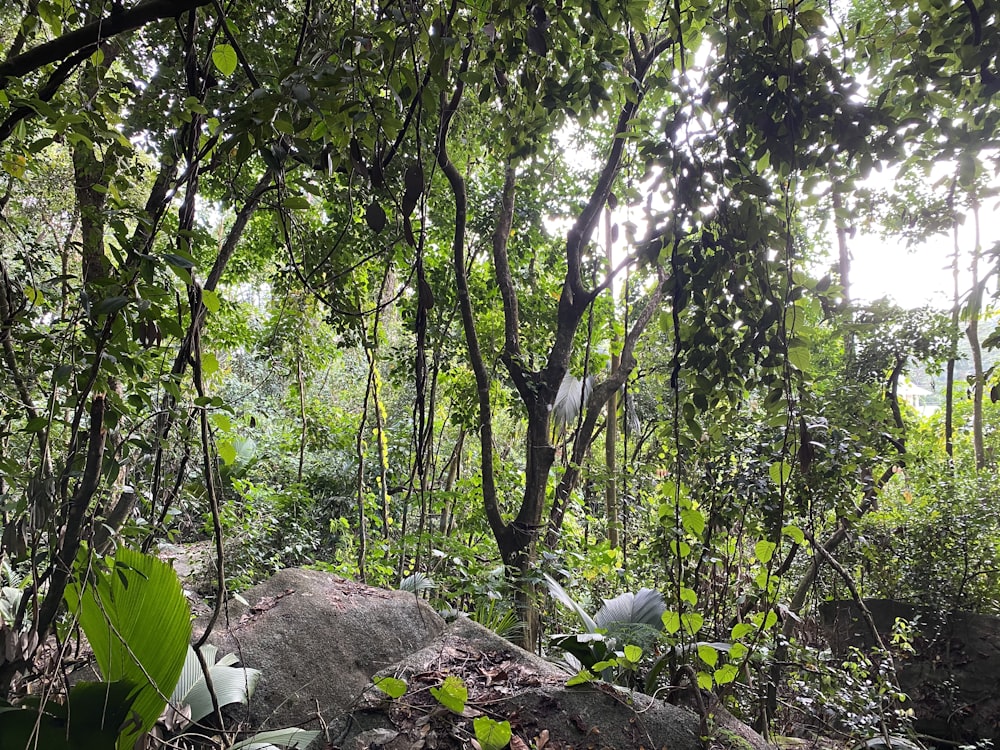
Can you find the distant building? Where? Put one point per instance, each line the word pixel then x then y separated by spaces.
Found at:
pixel 916 397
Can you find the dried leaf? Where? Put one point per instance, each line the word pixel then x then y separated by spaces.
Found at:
pixel 413 184
pixel 535 39
pixel 375 216
pixel 542 739
pixel 516 743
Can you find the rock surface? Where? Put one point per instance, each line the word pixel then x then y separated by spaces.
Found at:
pixel 507 683
pixel 951 680
pixel 319 640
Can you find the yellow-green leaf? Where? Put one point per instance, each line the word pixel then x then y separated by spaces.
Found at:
pixel 764 550
pixel 227 451
pixel 391 686
pixel 725 674
pixel 211 300
pixel 225 59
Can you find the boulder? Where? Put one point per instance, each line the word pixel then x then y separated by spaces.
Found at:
pixel 951 679
pixel 317 640
pixel 507 683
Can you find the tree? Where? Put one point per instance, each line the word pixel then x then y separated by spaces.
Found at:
pixel 421 160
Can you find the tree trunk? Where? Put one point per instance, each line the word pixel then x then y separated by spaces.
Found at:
pixel 972 331
pixel 949 394
pixel 611 436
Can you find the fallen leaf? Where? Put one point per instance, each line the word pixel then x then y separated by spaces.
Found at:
pixel 516 743
pixel 542 739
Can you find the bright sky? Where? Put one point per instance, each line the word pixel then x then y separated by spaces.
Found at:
pixel 912 277
pixel 917 276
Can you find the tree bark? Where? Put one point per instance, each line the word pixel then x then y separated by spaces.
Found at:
pixel 972 331
pixel 611 435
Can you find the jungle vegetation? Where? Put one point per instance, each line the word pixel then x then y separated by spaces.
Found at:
pixel 483 292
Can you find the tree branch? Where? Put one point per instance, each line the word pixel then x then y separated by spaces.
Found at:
pixel 63 560
pixel 89 36
pixel 505 280
pixel 457 184
pixel 595 404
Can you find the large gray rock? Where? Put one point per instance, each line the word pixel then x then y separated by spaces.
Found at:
pixel 317 640
pixel 951 679
pixel 507 683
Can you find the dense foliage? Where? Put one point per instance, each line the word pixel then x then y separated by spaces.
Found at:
pixel 369 287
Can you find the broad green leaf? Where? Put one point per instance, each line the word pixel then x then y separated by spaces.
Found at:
pixel 211 300
pixel 452 694
pixel 800 358
pixel 779 472
pixel 581 678
pixel 296 202
pixel 491 734
pixel 741 629
pixel 693 521
pixel 725 674
pixel 221 421
pixel 704 680
pixel 708 654
pixel 209 363
pixel 795 534
pixel 391 686
pixel 692 622
pixel 671 622
pixel 227 451
pixel 633 653
pixel 738 652
pixel 764 550
pixel 137 620
pixel 110 305
pixel 225 59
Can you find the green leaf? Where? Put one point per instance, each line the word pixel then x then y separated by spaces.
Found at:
pixel 452 694
pixel 693 521
pixel 704 680
pixel 110 305
pixel 800 358
pixel 764 550
pixel 137 620
pixel 689 595
pixel 671 622
pixel 296 202
pixel 741 629
pixel 692 622
pixel 491 734
pixel 581 678
pixel 795 534
pixel 779 472
pixel 227 451
pixel 633 653
pixel 391 686
pixel 225 59
pixel 600 666
pixel 725 674
pixel 708 654
pixel 210 299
